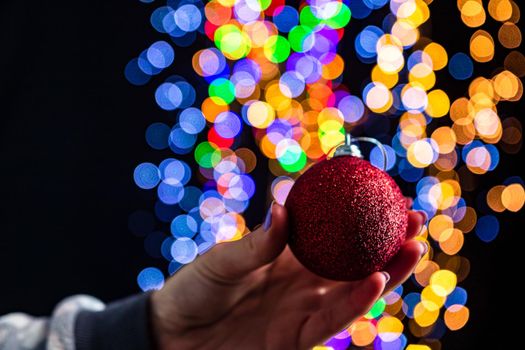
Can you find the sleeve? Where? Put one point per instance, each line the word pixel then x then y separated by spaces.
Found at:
pixel 122 325
pixel 81 323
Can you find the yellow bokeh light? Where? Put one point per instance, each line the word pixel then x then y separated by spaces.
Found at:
pixel 260 114
pixel 500 10
pixel 389 80
pixel 431 300
pixel 507 85
pixel 438 103
pixel 445 194
pixel 481 87
pixel 420 154
pixel 330 118
pixel 227 3
pixel 418 347
pixel 482 46
pixel 426 313
pixel 389 328
pixel 443 282
pixel 473 14
pixel 423 271
pixel 513 197
pixel 438 54
pixel 422 74
pixel 275 97
pixel 331 139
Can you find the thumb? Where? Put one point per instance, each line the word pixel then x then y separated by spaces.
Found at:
pixel 233 260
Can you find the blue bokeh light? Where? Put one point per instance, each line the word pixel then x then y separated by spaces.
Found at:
pixel 377 158
pixel 487 228
pixel 457 297
pixel 192 121
pixel 359 9
pixel 409 303
pixel 184 250
pixel 160 54
pixel 375 4
pixel 188 17
pixel 134 74
pixel 286 18
pixel 184 226
pixel 181 139
pixel 157 135
pixel 150 278
pixel 168 96
pixel 170 191
pixel 146 176
pixel 228 125
pixel 460 66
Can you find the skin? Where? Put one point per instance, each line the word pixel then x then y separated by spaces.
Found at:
pixel 254 294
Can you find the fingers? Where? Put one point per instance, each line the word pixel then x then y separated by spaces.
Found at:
pixel 233 260
pixel 340 306
pixel 402 265
pixel 416 220
pixel 410 202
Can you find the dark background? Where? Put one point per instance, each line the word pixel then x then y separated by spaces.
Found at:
pixel 72 131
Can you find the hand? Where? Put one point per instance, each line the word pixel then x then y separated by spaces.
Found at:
pixel 254 294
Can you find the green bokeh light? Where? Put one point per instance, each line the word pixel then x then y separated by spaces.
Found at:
pixel 341 19
pixel 293 159
pixel 277 49
pixel 222 91
pixel 207 155
pixel 307 18
pixel 232 41
pixel 377 309
pixel 300 38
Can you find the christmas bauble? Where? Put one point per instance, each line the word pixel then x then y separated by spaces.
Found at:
pixel 347 218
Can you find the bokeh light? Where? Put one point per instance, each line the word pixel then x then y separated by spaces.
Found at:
pixel 275 73
pixel 150 278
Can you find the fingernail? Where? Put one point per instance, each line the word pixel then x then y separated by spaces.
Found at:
pixel 421 230
pixel 423 215
pixel 268 219
pixel 424 248
pixel 387 276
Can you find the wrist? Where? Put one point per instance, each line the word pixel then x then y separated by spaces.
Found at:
pixel 163 332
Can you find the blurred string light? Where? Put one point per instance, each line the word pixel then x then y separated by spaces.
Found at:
pixel 276 69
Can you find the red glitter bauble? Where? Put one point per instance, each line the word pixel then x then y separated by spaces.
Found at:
pixel 347 218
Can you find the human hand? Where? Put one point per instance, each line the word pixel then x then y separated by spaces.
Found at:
pixel 254 294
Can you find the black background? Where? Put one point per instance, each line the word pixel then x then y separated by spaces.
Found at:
pixel 72 131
